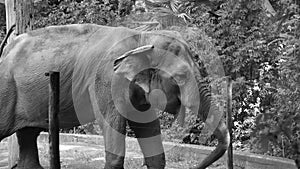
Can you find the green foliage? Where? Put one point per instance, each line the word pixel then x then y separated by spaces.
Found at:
pixel 262 55
pixel 71 12
pixel 278 127
pixel 2 22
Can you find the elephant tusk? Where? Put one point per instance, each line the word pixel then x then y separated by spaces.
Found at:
pixel 132 52
pixel 180 116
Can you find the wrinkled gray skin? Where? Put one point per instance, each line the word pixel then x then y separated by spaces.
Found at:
pixel 78 51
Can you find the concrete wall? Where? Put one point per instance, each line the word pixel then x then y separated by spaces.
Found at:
pixel 242 160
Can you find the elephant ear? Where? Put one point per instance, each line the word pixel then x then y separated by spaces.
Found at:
pixel 133 62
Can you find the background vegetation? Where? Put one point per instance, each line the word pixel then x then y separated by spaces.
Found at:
pixel 258 42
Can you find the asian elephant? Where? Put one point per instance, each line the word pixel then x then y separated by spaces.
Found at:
pixel 108 74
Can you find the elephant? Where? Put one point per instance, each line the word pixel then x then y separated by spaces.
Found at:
pixel 108 74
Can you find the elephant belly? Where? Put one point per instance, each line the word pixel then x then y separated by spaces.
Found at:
pixel 34 112
pixel 33 101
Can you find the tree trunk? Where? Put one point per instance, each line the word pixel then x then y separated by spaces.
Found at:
pixel 24 16
pixel 18 12
pixel 13 147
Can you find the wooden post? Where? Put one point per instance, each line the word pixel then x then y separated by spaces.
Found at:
pixel 229 123
pixel 53 120
pixel 10 13
pixel 24 16
pixel 13 146
pixel 23 20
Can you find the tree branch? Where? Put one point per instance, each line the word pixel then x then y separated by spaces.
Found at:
pixel 269 7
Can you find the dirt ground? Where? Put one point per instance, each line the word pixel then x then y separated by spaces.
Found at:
pixel 85 156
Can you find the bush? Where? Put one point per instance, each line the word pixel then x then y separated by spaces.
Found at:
pixel 2 22
pixel 73 12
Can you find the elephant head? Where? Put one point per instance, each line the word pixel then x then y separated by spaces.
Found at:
pixel 163 62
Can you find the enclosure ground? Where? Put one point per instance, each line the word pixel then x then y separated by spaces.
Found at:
pixel 90 156
pixel 87 152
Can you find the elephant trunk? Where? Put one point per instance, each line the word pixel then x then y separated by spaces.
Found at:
pixel 222 135
pixel 213 117
pixel 205 100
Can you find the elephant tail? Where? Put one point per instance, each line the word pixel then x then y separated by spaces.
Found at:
pixel 6 38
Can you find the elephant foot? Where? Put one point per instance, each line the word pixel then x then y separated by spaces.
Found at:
pixel 113 161
pixel 155 162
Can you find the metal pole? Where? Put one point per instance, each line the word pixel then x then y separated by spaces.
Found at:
pixel 229 123
pixel 53 120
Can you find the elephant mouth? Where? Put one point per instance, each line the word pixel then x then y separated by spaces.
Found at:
pixel 142 107
pixel 137 98
pixel 141 103
pixel 140 98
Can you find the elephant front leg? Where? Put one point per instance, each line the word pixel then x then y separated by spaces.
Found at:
pixel 28 155
pixel 149 138
pixel 114 130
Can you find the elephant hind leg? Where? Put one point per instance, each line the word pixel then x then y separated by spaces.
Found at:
pixel 28 155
